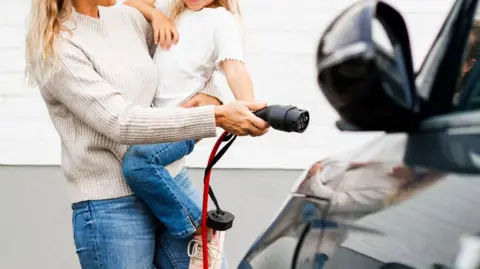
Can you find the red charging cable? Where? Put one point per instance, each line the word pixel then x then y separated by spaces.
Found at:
pixel 206 189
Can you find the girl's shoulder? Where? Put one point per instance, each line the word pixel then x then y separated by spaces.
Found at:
pixel 219 13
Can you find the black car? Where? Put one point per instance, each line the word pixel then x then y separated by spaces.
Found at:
pixel 431 135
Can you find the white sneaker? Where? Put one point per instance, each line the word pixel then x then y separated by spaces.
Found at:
pixel 215 251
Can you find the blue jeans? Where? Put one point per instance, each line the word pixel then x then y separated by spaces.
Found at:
pixel 144 171
pixel 123 233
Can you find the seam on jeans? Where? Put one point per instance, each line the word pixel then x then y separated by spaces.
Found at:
pixel 169 253
pixel 183 234
pixel 94 237
pixel 195 222
pixel 185 211
pixel 74 222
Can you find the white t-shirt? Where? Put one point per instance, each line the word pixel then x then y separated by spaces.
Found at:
pixel 206 38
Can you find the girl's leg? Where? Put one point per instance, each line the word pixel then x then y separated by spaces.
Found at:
pixel 171 252
pixel 144 170
pixel 114 234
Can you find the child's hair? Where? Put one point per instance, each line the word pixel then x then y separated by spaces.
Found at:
pixel 178 6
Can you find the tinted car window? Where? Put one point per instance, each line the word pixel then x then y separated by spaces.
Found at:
pixel 467 96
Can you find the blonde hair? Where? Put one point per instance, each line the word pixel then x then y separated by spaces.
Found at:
pixel 178 6
pixel 45 24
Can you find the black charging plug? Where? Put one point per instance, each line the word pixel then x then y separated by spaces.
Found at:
pixel 285 118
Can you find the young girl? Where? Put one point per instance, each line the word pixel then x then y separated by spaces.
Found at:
pixel 206 39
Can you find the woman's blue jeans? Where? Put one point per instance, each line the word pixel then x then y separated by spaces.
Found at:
pixel 123 233
pixel 177 208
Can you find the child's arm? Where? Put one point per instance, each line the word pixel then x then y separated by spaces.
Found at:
pixel 146 7
pixel 164 31
pixel 229 56
pixel 238 79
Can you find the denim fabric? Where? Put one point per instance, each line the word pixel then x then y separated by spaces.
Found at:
pixel 114 234
pixel 123 233
pixel 144 171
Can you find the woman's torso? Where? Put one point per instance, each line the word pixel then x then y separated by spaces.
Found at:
pixel 117 50
pixel 189 64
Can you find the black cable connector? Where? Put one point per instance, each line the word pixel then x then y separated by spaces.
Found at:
pixel 285 118
pixel 282 118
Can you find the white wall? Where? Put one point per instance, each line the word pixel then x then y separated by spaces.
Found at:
pixel 281 43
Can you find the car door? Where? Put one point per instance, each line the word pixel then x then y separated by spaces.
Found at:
pixel 331 200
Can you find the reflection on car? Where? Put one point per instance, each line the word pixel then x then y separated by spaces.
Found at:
pixel 430 124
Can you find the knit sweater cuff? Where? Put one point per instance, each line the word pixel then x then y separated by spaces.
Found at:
pixel 212 89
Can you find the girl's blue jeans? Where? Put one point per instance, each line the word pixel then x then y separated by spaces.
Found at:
pixel 144 170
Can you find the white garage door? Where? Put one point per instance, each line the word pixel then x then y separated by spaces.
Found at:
pixel 281 42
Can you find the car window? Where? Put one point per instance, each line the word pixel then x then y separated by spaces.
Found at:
pixel 467 95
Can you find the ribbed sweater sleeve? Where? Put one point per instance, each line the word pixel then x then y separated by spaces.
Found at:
pixel 102 107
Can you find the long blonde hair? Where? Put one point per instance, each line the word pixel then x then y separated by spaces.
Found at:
pixel 45 25
pixel 178 6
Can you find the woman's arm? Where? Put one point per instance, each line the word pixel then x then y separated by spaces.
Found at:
pixel 102 107
pixel 94 101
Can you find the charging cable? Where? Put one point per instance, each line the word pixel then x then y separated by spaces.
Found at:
pixel 283 118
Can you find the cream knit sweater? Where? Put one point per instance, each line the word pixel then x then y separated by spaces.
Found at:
pixel 99 102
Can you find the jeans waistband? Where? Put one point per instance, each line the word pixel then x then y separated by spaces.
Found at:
pixel 86 204
pixel 80 205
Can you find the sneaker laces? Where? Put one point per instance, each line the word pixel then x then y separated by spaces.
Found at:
pixel 195 251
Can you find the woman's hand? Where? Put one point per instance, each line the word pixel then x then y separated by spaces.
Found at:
pixel 201 99
pixel 237 118
pixel 163 30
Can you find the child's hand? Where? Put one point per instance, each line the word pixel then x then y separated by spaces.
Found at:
pixel 201 99
pixel 163 30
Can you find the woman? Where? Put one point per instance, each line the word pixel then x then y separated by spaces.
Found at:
pixel 92 64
